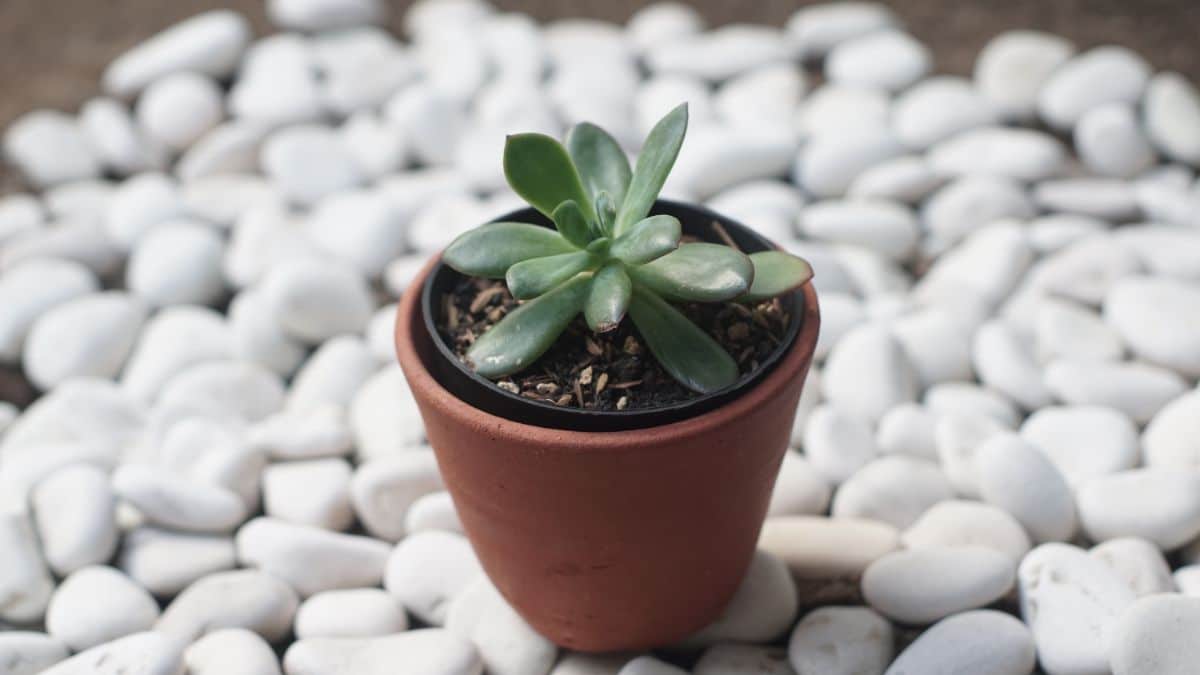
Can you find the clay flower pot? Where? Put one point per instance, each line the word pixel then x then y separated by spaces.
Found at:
pixel 611 540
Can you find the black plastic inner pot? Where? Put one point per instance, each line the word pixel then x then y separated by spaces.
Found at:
pixel 483 394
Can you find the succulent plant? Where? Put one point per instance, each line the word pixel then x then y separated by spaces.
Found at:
pixel 607 257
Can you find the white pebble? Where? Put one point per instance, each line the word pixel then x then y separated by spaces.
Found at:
pixel 148 653
pixel 1157 504
pixel 230 148
pixel 232 651
pixel 1157 634
pixel 308 163
pixel 907 178
pixel 976 641
pixel 30 290
pixel 309 558
pixel 118 143
pixel 1108 199
pixel 736 659
pixel 1068 330
pixel 165 563
pixel 1152 315
pixel 1170 439
pixel 968 523
pixel 353 613
pixel 837 444
pixel 209 43
pixel 314 493
pixel 969 203
pixel 888 59
pixel 1110 141
pixel 25 583
pixel 817 29
pixel 360 228
pixel 88 336
pixel 937 109
pixel 383 489
pixel 74 510
pixel 384 416
pixel 908 429
pixel 319 15
pixel 177 264
pixel 1139 390
pixel 49 148
pixel 1005 362
pixel 321 431
pixel 315 300
pixel 1138 562
pixel 894 489
pixel 1012 68
pixel 841 641
pixel 721 53
pixel 436 511
pixel 257 337
pixel 929 584
pixel 1083 441
pixel 829 163
pixel 1172 113
pixel 762 608
pixel 332 374
pixel 507 645
pixel 96 605
pixel 799 489
pixel 828 551
pixel 248 599
pixel 1017 477
pixel 29 653
pixel 872 349
pixel 178 109
pixel 885 227
pixel 1101 75
pixel 176 502
pixel 423 651
pixel 1021 154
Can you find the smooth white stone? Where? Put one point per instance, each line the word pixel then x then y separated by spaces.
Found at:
pixel 353 613
pixel 165 563
pixel 238 389
pixel 878 279
pixel 958 437
pixel 84 411
pixel 173 340
pixel 1071 602
pixel 514 46
pixel 656 96
pixel 1158 504
pixel 937 109
pixel 139 204
pixel 888 59
pixel 1165 250
pixel 969 203
pixel 507 645
pixel 25 583
pixel 148 653
pixel 428 570
pixel 830 162
pixel 1157 634
pixel 817 29
pixel 314 493
pixel 1187 580
pixel 332 375
pixel 96 605
pixel 249 599
pixel 321 15
pixel 178 109
pixel 648 665
pixel 1084 442
pixel 1172 438
pixel 1052 233
pixel 20 214
pixel 738 659
pixel 358 227
pixel 766 96
pixel 1110 141
pixel 1105 198
pixel 1139 390
pixel 844 109
pixel 799 489
pixel 49 148
pixel 8 414
pixel 81 200
pixel 976 641
pixel 308 162
pixel 233 651
pixel 1100 75
pixel 177 502
pixel 908 429
pixel 830 274
pixel 221 199
pixel 80 241
pixel 894 489
pixel 29 653
pixel 840 313
pixel 1067 330
pixel 88 336
pixel 1086 270
pixel 381 332
pixel 837 444
pixel 424 651
pixel 724 156
pixel 661 22
pixel 118 143
pixel 1020 154
pixel 762 609
pixel 721 53
pixel 841 641
pixel 827 551
pixel 907 178
pixel 265 236
pixel 377 146
pixel 73 509
pixel 1152 317
pixel 278 83
pixel 384 416
pixel 453 60
pixel 320 431
pixel 232 147
pixel 1016 476
pixel 436 512
pixel 810 398
pixel 209 43
pixel 316 300
pixel 433 121
pixel 311 559
pixel 1138 562
pixel 885 227
pixel 383 489
pixel 968 523
pixel 1012 67
pixel 1172 113
pixel 32 289
pixel 177 263
pixel 258 338
pixel 966 398
pixel 929 584
pixel 869 348
pixel 1005 362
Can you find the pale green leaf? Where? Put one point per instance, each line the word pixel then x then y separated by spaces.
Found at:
pixel 526 333
pixel 540 171
pixel 489 250
pixel 531 278
pixel 776 273
pixel 697 272
pixel 648 239
pixel 608 299
pixel 572 224
pixel 685 351
pixel 653 165
pixel 602 163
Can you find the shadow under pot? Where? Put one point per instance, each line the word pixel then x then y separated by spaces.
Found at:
pixel 609 530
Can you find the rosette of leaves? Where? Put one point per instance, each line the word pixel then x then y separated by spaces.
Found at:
pixel 608 258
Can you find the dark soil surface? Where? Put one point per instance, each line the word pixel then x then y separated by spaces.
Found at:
pixel 614 370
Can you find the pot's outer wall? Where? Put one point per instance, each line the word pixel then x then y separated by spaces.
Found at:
pixel 619 540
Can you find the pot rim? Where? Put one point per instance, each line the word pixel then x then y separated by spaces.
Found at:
pixel 409 319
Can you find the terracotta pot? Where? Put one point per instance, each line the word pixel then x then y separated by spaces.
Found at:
pixel 615 540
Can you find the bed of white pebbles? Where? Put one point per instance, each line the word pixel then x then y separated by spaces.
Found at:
pixel 997 458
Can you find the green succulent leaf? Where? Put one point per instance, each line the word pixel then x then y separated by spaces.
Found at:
pixel 600 246
pixel 606 213
pixel 684 350
pixel 572 224
pixel 608 299
pixel 489 250
pixel 697 272
pixel 531 278
pixel 775 273
pixel 525 334
pixel 653 164
pixel 648 239
pixel 538 168
pixel 602 163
